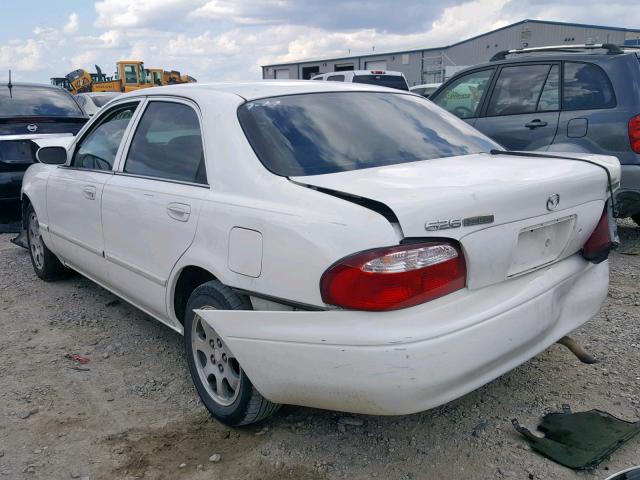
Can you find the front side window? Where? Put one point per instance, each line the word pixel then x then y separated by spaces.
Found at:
pixel 336 78
pixel 98 149
pixel 462 96
pixel 168 144
pixel 586 87
pixel 130 75
pixel 313 134
pixel 518 89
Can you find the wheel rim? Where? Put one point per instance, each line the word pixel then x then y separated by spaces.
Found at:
pixel 218 369
pixel 36 246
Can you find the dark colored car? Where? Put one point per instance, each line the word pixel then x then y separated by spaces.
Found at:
pixel 29 112
pixel 559 99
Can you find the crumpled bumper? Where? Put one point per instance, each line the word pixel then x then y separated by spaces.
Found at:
pixel 413 359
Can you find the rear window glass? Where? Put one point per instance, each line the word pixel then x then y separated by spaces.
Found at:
pixel 586 87
pixel 28 101
pixel 314 134
pixel 391 81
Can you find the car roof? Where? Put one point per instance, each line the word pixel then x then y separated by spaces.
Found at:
pixel 100 94
pixel 427 85
pixel 597 58
pixel 262 89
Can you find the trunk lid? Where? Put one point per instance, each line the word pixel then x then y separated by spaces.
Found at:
pixel 511 214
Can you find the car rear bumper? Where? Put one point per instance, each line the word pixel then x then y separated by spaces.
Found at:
pixel 414 359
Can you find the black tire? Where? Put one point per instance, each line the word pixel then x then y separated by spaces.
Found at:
pixel 45 263
pixel 636 218
pixel 248 405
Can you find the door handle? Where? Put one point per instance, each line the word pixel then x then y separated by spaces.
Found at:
pixel 537 123
pixel 89 191
pixel 179 211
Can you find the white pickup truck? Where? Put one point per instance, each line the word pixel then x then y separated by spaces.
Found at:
pixel 333 245
pixel 381 78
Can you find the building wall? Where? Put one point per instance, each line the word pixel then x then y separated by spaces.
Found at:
pixel 429 65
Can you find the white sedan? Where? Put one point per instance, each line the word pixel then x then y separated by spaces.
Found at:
pixel 340 246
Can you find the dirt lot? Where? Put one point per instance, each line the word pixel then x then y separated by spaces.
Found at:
pixel 132 412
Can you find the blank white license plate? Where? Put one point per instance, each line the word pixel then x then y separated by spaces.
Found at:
pixel 541 244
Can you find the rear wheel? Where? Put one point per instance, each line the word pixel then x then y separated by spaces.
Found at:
pixel 636 218
pixel 45 263
pixel 221 383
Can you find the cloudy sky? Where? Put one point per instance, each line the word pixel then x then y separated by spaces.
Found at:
pixel 229 39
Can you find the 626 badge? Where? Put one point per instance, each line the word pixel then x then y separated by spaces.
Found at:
pixel 458 222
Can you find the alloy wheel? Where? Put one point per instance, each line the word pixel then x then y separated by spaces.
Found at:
pixel 218 369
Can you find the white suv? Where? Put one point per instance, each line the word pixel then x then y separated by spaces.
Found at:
pixel 382 78
pixel 337 246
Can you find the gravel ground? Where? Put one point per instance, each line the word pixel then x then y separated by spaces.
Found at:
pixel 131 412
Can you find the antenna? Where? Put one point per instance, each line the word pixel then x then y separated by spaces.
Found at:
pixel 10 85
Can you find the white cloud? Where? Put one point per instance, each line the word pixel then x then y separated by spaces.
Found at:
pixel 72 25
pixel 21 56
pixel 143 13
pixel 230 39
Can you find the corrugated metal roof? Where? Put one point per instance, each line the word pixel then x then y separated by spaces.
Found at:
pixel 444 47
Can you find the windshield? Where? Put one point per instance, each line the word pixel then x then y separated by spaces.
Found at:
pixel 33 101
pixel 391 81
pixel 320 133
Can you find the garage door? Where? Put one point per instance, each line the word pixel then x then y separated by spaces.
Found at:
pixel 376 65
pixel 282 74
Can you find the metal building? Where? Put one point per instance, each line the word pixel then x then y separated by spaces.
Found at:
pixel 431 65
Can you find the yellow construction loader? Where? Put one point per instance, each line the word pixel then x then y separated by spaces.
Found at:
pixel 158 77
pixel 130 75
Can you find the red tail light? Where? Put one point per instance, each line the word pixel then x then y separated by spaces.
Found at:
pixel 599 245
pixel 394 277
pixel 634 133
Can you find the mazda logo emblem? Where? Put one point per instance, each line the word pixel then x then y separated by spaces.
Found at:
pixel 32 127
pixel 553 201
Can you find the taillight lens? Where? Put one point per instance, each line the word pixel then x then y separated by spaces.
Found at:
pixel 600 243
pixel 394 277
pixel 634 133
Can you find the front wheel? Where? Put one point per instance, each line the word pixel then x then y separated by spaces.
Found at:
pixel 221 383
pixel 45 263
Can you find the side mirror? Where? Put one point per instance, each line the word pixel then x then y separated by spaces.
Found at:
pixel 52 155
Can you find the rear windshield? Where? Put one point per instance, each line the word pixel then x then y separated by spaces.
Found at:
pixel 320 133
pixel 28 101
pixel 391 81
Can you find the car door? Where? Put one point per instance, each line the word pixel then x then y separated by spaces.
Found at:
pixel 524 106
pixel 150 207
pixel 74 191
pixel 589 120
pixel 463 95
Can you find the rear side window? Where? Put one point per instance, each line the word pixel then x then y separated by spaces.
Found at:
pixel 168 144
pixel 519 89
pixel 98 149
pixel 462 96
pixel 320 133
pixel 586 87
pixel 391 81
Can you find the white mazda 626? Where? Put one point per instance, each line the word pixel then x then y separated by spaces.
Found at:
pixel 346 247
